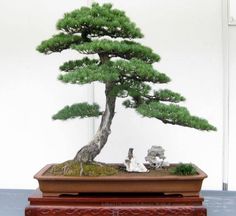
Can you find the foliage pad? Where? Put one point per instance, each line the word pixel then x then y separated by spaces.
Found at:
pixel 99 20
pixel 173 114
pixel 58 43
pixel 123 49
pixel 81 110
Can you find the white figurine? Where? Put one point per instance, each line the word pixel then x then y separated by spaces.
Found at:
pixel 132 165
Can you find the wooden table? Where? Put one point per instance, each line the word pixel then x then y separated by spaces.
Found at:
pixel 115 205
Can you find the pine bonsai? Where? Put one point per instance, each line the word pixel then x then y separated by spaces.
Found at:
pixel 123 65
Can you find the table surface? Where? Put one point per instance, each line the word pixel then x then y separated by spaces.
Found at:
pixel 218 203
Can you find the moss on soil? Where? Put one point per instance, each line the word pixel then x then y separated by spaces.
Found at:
pixel 72 168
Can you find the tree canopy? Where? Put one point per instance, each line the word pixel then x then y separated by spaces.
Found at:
pixel 122 63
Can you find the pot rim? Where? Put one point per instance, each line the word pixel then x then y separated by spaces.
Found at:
pixel 40 176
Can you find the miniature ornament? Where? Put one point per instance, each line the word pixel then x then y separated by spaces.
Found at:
pixel 132 165
pixel 154 153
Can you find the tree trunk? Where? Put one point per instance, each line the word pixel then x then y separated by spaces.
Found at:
pixel 90 151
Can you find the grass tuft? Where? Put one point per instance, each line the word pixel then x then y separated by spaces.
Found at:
pixel 184 170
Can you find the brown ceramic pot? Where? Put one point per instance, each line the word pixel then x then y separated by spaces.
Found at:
pixel 170 184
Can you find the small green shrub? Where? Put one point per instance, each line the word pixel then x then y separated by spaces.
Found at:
pixel 184 169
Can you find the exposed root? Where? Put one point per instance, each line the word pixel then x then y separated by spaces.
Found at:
pixel 98 163
pixel 65 169
pixel 81 169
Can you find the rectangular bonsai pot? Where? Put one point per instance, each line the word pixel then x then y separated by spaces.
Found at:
pixel 170 184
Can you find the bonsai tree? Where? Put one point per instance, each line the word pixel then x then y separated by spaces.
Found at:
pixel 123 65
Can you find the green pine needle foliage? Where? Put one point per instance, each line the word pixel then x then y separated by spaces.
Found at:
pixel 184 170
pixel 123 49
pixel 99 20
pixel 173 114
pixel 58 43
pixel 90 74
pixel 77 64
pixel 119 70
pixel 139 71
pixel 122 64
pixel 140 94
pixel 130 88
pixel 168 95
pixel 81 110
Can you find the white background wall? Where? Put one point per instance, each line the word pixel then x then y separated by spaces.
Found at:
pixel 232 110
pixel 187 35
pixel 232 10
pixel 30 93
pixel 188 38
pixel 232 95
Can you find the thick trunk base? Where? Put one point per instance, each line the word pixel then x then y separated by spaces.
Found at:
pixel 90 151
pixel 87 153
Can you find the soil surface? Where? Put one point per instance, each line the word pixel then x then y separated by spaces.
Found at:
pixel 70 168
